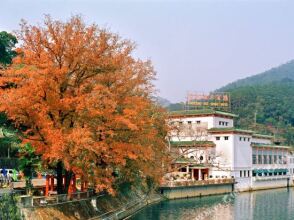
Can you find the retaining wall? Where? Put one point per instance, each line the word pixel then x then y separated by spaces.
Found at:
pixel 196 191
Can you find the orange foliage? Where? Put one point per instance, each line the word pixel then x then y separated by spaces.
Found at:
pixel 85 101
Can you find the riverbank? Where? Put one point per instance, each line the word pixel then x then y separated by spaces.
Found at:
pixel 95 208
pixel 122 206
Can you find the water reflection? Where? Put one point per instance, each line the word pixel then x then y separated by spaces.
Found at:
pixel 258 205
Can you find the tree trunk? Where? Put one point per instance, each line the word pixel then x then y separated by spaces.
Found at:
pixel 68 176
pixel 59 169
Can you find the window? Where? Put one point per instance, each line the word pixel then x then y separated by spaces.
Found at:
pixel 189 122
pixel 275 159
pixel 219 123
pixel 244 173
pixel 265 159
pixel 183 169
pixel 201 157
pixel 270 159
pixel 198 122
pixel 254 159
pixel 244 139
pixel 240 173
pixel 253 173
pixel 227 123
pixel 180 122
pixel 248 173
pixel 259 159
pixel 217 138
pixel 240 138
pixel 223 123
pixel 285 160
pixel 226 138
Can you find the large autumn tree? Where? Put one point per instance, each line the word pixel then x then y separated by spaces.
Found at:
pixel 83 102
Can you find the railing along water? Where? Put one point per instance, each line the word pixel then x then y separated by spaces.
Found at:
pixel 197 182
pixel 37 201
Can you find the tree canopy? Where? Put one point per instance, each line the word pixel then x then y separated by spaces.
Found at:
pixel 83 99
pixel 7 44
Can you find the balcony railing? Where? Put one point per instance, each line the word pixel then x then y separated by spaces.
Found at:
pixel 197 182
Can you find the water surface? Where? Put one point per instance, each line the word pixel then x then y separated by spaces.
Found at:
pixel 277 204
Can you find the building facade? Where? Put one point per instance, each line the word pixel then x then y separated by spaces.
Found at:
pixel 206 145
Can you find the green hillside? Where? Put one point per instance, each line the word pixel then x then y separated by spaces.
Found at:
pixel 282 72
pixel 265 102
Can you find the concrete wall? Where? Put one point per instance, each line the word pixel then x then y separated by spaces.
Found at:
pixel 195 191
pixel 261 140
pixel 224 150
pixel 259 183
pixel 216 121
pixel 242 155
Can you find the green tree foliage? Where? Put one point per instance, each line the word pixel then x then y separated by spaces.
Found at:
pixel 9 142
pixel 29 161
pixel 282 72
pixel 267 108
pixel 265 101
pixel 7 44
pixel 8 207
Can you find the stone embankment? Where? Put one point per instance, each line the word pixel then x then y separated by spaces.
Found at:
pixel 95 208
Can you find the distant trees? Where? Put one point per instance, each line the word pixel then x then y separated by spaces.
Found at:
pixel 7 44
pixel 266 108
pixel 84 103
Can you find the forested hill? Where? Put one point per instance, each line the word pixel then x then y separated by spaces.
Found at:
pixel 282 72
pixel 265 102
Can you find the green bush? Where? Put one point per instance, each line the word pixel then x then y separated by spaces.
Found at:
pixel 8 207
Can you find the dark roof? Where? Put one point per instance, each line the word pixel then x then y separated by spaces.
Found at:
pixel 201 112
pixel 263 136
pixel 193 143
pixel 269 145
pixel 230 130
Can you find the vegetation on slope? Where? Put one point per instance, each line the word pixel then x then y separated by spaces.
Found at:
pixel 267 108
pixel 282 72
pixel 265 102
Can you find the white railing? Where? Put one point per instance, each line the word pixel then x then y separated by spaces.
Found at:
pixel 265 178
pixel 197 182
pixel 37 201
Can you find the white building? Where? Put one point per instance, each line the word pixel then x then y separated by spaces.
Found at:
pixel 206 145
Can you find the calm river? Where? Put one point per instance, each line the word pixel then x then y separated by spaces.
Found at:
pixel 277 204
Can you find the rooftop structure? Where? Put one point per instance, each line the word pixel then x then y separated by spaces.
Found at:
pixel 201 113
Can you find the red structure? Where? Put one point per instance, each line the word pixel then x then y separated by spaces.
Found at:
pixel 72 186
pixel 49 184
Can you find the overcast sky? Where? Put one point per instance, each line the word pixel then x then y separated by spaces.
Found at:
pixel 194 45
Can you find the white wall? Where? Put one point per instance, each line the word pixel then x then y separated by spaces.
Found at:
pixel 216 121
pixel 224 150
pixel 242 152
pixel 208 121
pixel 261 140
